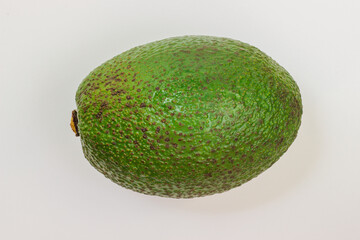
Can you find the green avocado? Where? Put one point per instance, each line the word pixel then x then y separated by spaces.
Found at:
pixel 187 116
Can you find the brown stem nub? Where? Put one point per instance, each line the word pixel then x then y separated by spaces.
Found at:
pixel 74 123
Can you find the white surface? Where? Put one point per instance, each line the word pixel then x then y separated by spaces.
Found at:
pixel 48 190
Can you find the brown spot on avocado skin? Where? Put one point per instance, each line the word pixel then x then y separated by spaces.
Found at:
pixel 280 141
pixel 99 114
pixel 104 105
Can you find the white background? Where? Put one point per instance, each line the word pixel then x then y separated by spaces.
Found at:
pixel 48 190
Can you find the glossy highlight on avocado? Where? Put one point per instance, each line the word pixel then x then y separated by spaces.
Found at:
pixel 187 116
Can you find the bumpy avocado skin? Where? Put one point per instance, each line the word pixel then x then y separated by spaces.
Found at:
pixel 187 116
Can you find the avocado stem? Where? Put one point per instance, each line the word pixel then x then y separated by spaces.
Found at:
pixel 74 123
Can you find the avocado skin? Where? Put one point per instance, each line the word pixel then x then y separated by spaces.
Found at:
pixel 187 116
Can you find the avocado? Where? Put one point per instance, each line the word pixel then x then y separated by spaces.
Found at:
pixel 187 116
